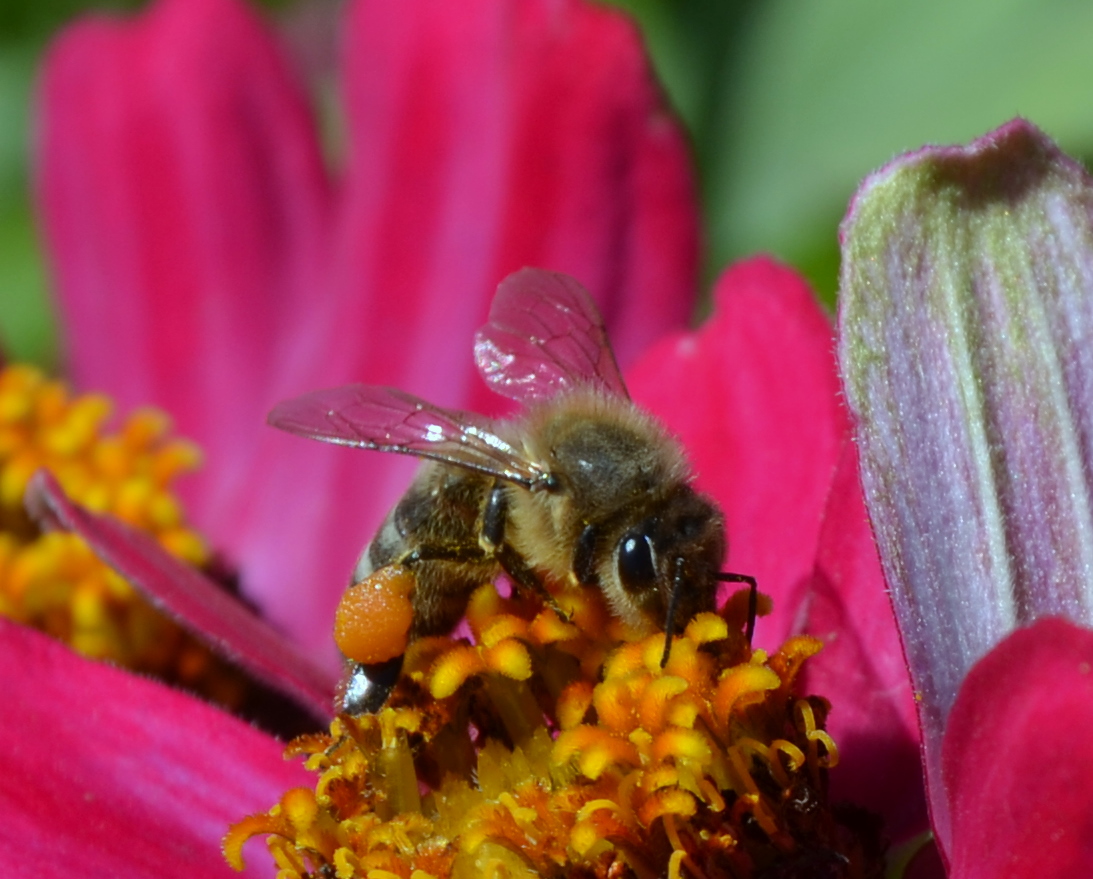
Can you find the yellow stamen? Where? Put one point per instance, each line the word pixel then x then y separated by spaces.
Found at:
pixel 549 756
pixel 455 668
pixel 510 658
pixel 52 581
pixel 674 863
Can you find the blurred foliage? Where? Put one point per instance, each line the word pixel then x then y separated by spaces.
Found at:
pixel 692 43
pixel 794 101
pixel 789 104
pixel 32 22
pixel 26 322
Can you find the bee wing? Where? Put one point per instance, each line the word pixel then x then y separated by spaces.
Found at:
pixel 390 420
pixel 545 335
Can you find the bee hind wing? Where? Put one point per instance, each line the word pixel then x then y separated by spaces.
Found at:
pixel 390 420
pixel 544 335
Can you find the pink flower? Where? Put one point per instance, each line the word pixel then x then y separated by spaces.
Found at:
pixel 207 260
pixel 965 325
pixel 760 414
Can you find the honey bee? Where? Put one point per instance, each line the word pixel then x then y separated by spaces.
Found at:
pixel 583 488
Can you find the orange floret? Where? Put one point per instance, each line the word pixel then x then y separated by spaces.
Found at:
pixel 563 749
pixel 453 669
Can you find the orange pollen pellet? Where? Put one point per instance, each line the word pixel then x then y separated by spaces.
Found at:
pixel 372 623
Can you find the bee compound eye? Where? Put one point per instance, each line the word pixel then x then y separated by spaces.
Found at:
pixel 637 561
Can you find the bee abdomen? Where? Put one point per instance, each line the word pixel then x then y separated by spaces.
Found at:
pixel 388 545
pixel 402 529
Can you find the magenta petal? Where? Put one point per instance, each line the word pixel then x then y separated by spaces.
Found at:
pixel 196 602
pixel 487 136
pixel 108 774
pixel 184 207
pixel 861 668
pixel 1018 758
pixel 753 396
pixel 484 136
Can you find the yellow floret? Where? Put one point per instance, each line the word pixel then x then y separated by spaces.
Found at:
pixel 52 581
pixel 551 756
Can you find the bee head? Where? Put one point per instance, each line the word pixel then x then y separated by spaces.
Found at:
pixel 666 565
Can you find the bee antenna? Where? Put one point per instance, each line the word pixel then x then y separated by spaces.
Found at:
pixel 753 598
pixel 673 603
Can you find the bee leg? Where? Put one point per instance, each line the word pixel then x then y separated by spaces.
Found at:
pixel 670 619
pixel 524 577
pixel 494 516
pixel 584 557
pixel 753 598
pixel 446 553
pixel 366 688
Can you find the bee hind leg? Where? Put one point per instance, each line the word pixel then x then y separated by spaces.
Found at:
pixel 366 687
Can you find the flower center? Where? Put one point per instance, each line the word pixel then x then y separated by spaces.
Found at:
pixel 52 581
pixel 562 748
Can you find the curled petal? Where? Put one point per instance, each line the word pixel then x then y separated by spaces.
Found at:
pixel 966 328
pixel 203 607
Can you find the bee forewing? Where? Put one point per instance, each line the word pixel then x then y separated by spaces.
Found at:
pixel 544 335
pixel 390 420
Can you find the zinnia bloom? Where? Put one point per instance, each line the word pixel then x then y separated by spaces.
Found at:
pixel 762 310
pixel 190 217
pixel 208 261
pixel 963 342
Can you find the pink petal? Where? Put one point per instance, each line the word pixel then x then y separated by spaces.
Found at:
pixel 487 136
pixel 484 136
pixel 185 208
pixel 1017 759
pixel 967 310
pixel 108 774
pixel 753 396
pixel 199 604
pixel 861 668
